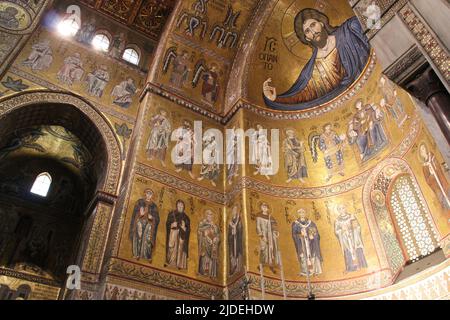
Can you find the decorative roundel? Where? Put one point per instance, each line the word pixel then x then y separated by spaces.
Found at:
pixel 378 198
pixel 13 16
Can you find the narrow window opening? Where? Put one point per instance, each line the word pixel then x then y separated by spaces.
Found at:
pixel 42 184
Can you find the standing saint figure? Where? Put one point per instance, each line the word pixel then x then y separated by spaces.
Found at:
pixel 87 32
pixel 294 157
pixel 72 70
pixel 144 226
pixel 392 102
pixel 232 155
pixel 180 70
pixel 348 232
pixel 366 130
pixel 123 93
pixel 235 241
pixel 117 45
pixel 210 87
pixel 178 227
pixel 97 81
pixel 267 231
pixel 159 137
pixel 332 146
pixel 339 56
pixel 184 149
pixel 41 56
pixel 261 152
pixel 210 168
pixel 435 177
pixel 208 235
pixel 307 244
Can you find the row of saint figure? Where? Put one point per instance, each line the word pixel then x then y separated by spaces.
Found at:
pixel 306 238
pixel 305 235
pixel 144 228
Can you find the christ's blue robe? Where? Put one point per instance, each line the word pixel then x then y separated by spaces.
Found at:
pixel 353 48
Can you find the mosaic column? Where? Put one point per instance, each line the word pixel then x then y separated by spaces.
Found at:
pixel 18 20
pixel 92 251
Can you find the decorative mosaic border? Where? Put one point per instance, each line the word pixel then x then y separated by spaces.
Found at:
pixel 408 141
pixel 409 62
pixel 98 236
pixel 147 275
pixel 150 87
pixel 295 290
pixel 180 184
pixel 306 193
pixel 118 292
pixel 234 290
pixel 427 40
pixel 28 277
pixel 82 295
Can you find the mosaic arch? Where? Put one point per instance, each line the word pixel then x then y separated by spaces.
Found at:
pixel 113 167
pixel 393 247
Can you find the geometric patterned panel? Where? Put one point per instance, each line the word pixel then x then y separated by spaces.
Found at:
pixel 119 9
pixel 419 238
pixel 145 16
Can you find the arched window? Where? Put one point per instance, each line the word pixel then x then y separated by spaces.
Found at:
pixel 22 292
pixel 42 184
pixel 131 55
pixel 101 42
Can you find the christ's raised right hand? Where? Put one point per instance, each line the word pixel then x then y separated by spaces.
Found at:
pixel 269 91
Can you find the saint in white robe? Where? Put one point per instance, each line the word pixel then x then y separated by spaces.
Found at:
pixel 261 155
